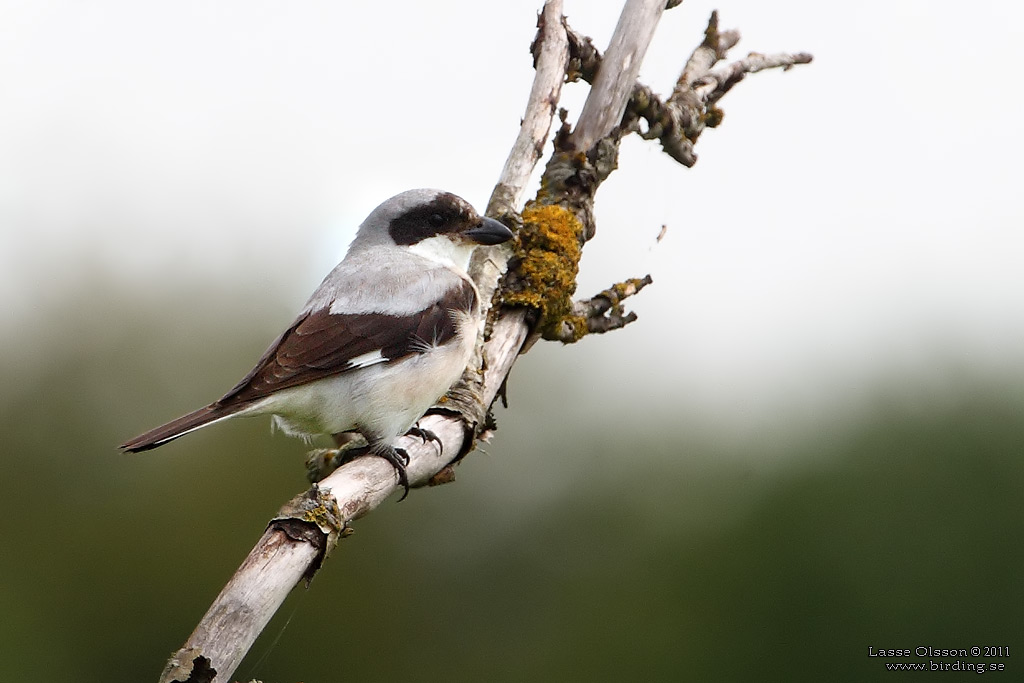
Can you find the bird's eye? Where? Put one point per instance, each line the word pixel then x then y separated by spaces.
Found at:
pixel 436 220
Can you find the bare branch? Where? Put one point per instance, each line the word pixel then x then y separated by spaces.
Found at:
pixel 714 48
pixel 678 121
pixel 712 86
pixel 551 53
pixel 243 608
pixel 614 81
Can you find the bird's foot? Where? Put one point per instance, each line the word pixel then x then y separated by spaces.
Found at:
pixel 323 461
pixel 399 459
pixel 426 435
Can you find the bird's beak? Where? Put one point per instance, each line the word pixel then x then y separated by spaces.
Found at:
pixel 489 231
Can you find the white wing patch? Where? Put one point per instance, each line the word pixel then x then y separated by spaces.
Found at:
pixel 367 359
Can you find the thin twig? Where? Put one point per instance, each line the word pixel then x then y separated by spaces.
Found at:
pixel 603 312
pixel 713 85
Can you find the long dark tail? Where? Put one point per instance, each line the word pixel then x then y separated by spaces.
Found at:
pixel 180 427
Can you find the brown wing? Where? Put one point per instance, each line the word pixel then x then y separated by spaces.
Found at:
pixel 320 344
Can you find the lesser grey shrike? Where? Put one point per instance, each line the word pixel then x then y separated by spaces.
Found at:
pixel 385 335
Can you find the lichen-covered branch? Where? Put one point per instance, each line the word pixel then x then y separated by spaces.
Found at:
pixel 601 313
pixel 542 274
pixel 556 225
pixel 560 220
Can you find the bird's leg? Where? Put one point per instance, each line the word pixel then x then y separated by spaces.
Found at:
pixel 323 461
pixel 351 445
pixel 426 435
pixel 398 459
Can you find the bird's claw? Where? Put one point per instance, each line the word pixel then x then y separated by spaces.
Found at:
pixel 399 459
pixel 426 435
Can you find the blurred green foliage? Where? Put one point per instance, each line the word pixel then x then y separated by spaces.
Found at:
pixel 570 552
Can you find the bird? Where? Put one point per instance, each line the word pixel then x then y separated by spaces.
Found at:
pixel 385 335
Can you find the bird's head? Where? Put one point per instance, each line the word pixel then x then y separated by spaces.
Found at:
pixel 437 225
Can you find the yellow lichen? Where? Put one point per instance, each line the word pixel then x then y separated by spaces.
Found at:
pixel 320 516
pixel 544 274
pixel 622 290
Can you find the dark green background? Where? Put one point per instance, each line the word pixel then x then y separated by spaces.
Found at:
pixel 592 542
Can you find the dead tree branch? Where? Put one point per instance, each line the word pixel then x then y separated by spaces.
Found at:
pixel 530 286
pixel 678 121
pixel 603 312
pixel 550 51
pixel 613 83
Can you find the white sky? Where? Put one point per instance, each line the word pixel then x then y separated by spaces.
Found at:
pixel 852 219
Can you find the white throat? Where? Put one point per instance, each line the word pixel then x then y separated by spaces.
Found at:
pixel 443 250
